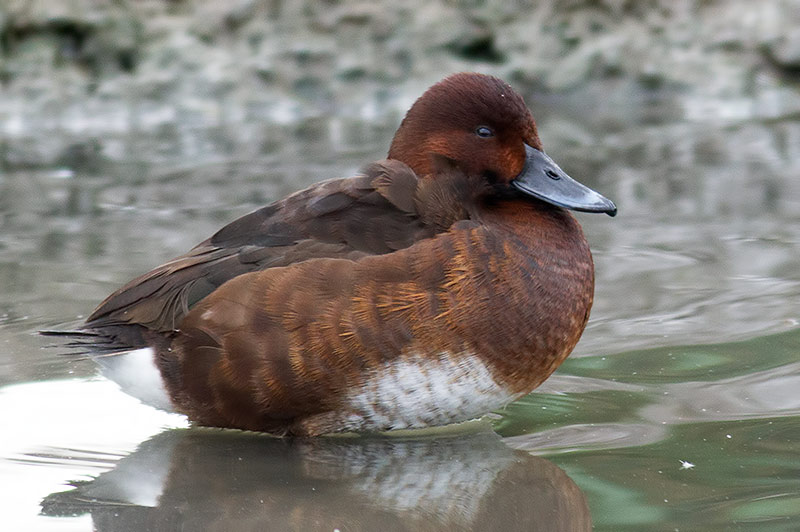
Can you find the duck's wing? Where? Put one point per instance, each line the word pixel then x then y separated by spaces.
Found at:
pixel 370 214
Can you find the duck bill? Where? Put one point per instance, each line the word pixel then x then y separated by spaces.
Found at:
pixel 543 179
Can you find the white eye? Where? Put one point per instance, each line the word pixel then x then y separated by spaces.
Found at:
pixel 484 132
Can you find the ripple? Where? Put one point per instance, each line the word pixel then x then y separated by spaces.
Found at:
pixel 587 437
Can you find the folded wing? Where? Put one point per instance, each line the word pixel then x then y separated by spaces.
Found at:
pixel 371 214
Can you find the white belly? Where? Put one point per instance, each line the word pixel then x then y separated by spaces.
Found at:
pixel 411 392
pixel 417 391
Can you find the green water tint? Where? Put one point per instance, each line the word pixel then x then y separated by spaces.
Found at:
pixel 644 376
pixel 690 466
pixel 702 362
pixel 745 475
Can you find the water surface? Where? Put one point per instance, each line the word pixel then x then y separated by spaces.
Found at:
pixel 678 410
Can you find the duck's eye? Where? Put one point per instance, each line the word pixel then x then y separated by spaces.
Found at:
pixel 484 132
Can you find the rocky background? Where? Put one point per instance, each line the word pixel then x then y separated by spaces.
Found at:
pixel 84 81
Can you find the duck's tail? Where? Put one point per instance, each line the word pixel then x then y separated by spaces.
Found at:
pixel 89 342
pixel 124 357
pixel 76 342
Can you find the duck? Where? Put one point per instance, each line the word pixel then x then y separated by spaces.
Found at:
pixel 431 288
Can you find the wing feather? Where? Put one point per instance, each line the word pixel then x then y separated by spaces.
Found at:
pixel 371 214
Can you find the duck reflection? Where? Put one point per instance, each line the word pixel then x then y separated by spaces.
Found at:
pixel 206 479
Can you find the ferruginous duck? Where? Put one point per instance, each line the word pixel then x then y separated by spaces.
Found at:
pixel 435 286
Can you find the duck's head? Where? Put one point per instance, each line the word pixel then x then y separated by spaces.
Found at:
pixel 480 124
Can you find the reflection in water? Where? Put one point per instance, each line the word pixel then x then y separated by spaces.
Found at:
pixel 204 479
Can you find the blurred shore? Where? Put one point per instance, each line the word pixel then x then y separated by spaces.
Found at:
pixel 91 80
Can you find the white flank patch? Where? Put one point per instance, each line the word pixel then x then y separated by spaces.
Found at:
pixel 137 374
pixel 424 391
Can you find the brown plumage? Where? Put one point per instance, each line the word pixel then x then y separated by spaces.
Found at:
pixel 426 290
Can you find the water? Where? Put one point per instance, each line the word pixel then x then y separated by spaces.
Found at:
pixel 678 410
